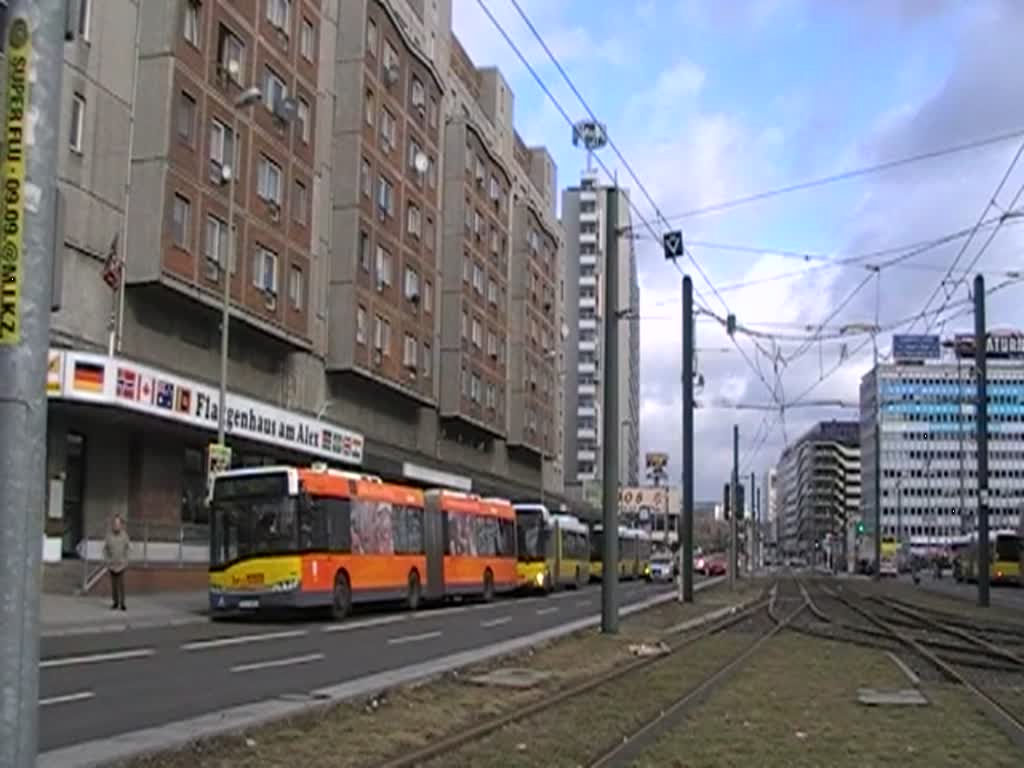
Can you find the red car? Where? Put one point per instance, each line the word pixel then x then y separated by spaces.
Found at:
pixel 713 565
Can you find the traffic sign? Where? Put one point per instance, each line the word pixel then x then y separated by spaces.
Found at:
pixel 673 244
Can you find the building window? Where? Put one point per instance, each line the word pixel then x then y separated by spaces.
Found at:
pixel 371 37
pixel 361 324
pixel 222 148
pixel 277 13
pixel 264 270
pixel 492 344
pixel 419 98
pixel 491 395
pixel 85 20
pixel 306 39
pixel 478 278
pixel 428 296
pixel 474 388
pixel 295 287
pixel 410 352
pixel 428 360
pixel 390 56
pixel 414 223
pixel 217 243
pixel 382 335
pixel 274 89
pixel 492 292
pixel 467 268
pixel 186 117
pixel 477 334
pixel 387 129
pixel 302 117
pixel 77 123
pixel 364 178
pixel 384 273
pixel 414 152
pixel 385 196
pixel 180 216
pixel 269 182
pixel 431 173
pixel 190 22
pixel 430 233
pixel 432 112
pixel 369 107
pixel 364 251
pixel 230 54
pixel 299 202
pixel 412 283
pixel 465 325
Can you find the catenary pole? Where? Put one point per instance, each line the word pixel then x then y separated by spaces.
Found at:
pixel 610 469
pixel 34 35
pixel 686 537
pixel 735 494
pixel 981 411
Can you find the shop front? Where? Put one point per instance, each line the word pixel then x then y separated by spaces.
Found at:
pixel 129 439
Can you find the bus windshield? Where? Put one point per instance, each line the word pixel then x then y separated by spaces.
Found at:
pixel 1007 548
pixel 250 520
pixel 532 536
pixel 596 546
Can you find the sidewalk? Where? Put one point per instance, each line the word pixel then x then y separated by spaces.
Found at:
pixel 62 615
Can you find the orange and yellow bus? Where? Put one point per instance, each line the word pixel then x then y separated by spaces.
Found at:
pixel 320 538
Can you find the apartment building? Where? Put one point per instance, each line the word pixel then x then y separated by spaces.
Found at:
pixel 329 120
pixel 819 486
pixel 585 213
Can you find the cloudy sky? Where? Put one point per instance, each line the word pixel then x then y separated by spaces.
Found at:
pixel 714 100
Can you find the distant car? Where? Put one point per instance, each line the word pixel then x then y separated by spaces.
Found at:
pixel 714 566
pixel 662 568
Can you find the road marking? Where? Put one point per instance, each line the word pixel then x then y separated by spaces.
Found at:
pixel 309 657
pixel 543 611
pixel 381 620
pixel 96 658
pixel 582 603
pixel 224 642
pixel 80 696
pixel 495 622
pixel 413 638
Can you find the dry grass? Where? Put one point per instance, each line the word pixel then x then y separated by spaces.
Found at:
pixel 363 733
pixel 796 705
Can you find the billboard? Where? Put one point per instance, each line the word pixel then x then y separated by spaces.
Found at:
pixel 656 461
pixel 915 346
pixel 1006 344
pixel 643 502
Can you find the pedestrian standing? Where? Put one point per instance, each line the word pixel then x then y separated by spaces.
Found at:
pixel 116 550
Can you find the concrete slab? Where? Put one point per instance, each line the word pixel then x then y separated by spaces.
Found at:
pixel 906 697
pixel 511 677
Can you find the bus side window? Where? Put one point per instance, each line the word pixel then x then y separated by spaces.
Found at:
pixel 337 517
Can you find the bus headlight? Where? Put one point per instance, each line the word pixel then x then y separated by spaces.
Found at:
pixel 540 579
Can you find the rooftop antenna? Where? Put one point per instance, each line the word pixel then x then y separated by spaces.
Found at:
pixel 592 135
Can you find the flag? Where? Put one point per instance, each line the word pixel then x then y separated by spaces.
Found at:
pixel 53 378
pixel 183 402
pixel 164 395
pixel 145 389
pixel 112 266
pixel 88 376
pixel 127 383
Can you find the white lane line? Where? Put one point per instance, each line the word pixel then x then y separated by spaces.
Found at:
pixel 226 642
pixel 97 658
pixel 413 638
pixel 380 621
pixel 543 611
pixel 309 657
pixel 583 603
pixel 67 699
pixel 495 622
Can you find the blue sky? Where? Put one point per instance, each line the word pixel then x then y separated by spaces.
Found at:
pixel 710 100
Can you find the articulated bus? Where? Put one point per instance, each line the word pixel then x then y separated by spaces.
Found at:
pixel 890 550
pixel 634 553
pixel 321 538
pixel 553 549
pixel 1004 558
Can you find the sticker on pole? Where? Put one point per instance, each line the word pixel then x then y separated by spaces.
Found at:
pixel 19 48
pixel 218 460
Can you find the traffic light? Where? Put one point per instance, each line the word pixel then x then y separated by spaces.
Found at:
pixel 860 527
pixel 727 499
pixel 740 501
pixel 730 324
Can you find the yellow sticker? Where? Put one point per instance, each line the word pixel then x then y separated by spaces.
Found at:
pixel 19 47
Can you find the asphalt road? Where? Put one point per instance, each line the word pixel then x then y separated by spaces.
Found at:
pixel 98 686
pixel 1001 595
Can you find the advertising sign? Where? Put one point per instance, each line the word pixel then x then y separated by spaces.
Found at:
pixel 645 501
pixel 915 347
pixel 656 461
pixel 1006 345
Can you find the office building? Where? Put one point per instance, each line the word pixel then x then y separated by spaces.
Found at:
pixel 585 212
pixel 928 442
pixel 819 486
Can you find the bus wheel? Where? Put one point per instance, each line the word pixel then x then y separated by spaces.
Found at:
pixel 488 586
pixel 413 599
pixel 341 605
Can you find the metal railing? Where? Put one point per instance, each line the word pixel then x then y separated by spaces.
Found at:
pixel 152 544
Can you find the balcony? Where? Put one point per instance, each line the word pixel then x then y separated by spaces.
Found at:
pixel 588 260
pixel 587 389
pixel 588 324
pixel 588 195
pixel 588 302
pixel 585 411
pixel 588 456
pixel 588 238
pixel 586 368
pixel 588 216
pixel 586 434
pixel 588 345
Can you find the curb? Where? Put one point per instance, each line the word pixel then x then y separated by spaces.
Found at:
pixel 176 735
pixel 99 629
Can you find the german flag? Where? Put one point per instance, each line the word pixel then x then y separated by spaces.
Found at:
pixel 88 376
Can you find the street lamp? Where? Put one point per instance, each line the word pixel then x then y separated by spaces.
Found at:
pixel 246 98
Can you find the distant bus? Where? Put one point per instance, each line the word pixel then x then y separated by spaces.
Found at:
pixel 635 548
pixel 553 550
pixel 1005 553
pixel 319 538
pixel 890 557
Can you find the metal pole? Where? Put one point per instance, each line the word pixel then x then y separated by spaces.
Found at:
pixel 225 309
pixel 981 418
pixel 899 510
pixel 35 35
pixel 753 525
pixel 136 59
pixel 877 460
pixel 735 493
pixel 960 431
pixel 686 537
pixel 610 470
